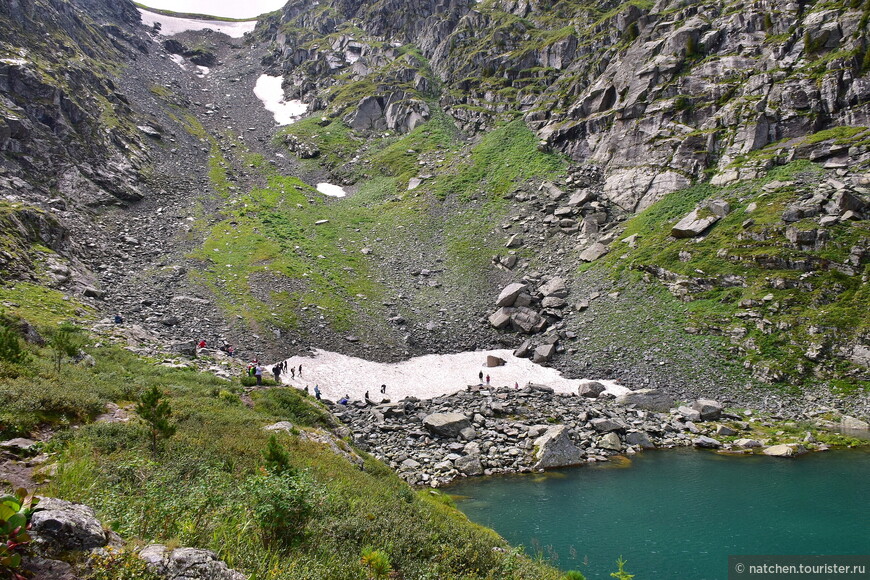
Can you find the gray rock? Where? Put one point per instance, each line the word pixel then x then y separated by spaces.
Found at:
pixel 527 320
pixel 543 353
pixel 605 425
pixel 747 443
pixel 555 287
pixel 446 424
pixel 639 439
pixel 610 441
pixel 688 413
pixel 509 294
pixel 523 349
pixel 848 422
pixel 500 318
pixel 709 409
pixel 693 225
pixel 469 465
pixel 63 526
pixel 791 450
pixel 555 449
pixel 725 431
pixel 593 252
pixel 494 361
pixel 279 426
pixel 649 399
pixel 706 442
pixel 18 445
pixel 186 348
pixel 187 564
pixel 468 433
pixel 590 390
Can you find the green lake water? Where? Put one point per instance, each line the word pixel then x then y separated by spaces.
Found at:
pixel 678 514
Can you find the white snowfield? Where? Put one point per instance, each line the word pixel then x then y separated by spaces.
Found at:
pixel 424 377
pixel 170 25
pixel 331 190
pixel 268 89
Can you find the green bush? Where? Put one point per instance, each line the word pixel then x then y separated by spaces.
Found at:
pixel 65 341
pixel 276 457
pixel 10 346
pixel 574 575
pixel 281 504
pixel 377 562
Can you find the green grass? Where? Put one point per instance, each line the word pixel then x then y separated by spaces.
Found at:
pixel 198 488
pixel 830 301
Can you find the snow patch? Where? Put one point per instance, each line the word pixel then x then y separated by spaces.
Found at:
pixel 268 89
pixel 13 61
pixel 331 190
pixel 201 71
pixel 170 25
pixel 424 377
pixel 179 60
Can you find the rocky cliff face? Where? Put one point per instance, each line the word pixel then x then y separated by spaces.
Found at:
pixel 657 94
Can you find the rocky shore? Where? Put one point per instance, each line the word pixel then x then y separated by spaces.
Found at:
pixel 484 431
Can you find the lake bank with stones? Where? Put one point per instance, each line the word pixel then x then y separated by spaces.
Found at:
pixel 488 431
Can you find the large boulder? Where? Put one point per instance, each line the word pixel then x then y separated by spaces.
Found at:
pixel 611 441
pixel 446 424
pixel 709 409
pixel 554 287
pixel 853 423
pixel 63 526
pixel 501 317
pixel 509 294
pixel 639 439
pixel 694 224
pixel 593 252
pixel 187 564
pixel 706 442
pixel 590 390
pixel 526 320
pixel 469 465
pixel 649 399
pixel 792 450
pixel 543 353
pixel 555 449
pixel 606 425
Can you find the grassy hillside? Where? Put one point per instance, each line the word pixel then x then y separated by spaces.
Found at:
pixel 787 309
pixel 216 482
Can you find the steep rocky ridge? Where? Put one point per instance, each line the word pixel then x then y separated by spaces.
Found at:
pixel 656 94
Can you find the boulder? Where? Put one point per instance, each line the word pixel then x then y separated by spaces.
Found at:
pixel 555 287
pixel 555 449
pixel 19 446
pixel 63 526
pixel 725 431
pixel 509 294
pixel 500 318
pixel 590 390
pixel 853 423
pixel 186 348
pixel 605 425
pixel 187 564
pixel 446 424
pixel 610 441
pixel 526 320
pixel 593 252
pixel 693 224
pixel 649 399
pixel 543 353
pixel 706 442
pixel 494 361
pixel 469 465
pixel 639 439
pixel 747 443
pixel 709 409
pixel 522 351
pixel 791 450
pixel 279 426
pixel 688 413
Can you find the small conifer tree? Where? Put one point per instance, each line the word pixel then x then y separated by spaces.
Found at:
pixel 154 409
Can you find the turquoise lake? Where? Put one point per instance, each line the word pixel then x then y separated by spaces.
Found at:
pixel 678 514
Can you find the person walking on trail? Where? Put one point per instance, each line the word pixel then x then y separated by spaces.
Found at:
pixel 258 373
pixel 317 392
pixel 480 376
pixel 300 370
pixel 383 389
pixel 487 379
pixel 276 370
pixel 293 372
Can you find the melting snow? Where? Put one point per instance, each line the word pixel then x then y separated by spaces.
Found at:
pixel 13 61
pixel 268 89
pixel 170 25
pixel 202 70
pixel 424 377
pixel 331 190
pixel 179 60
